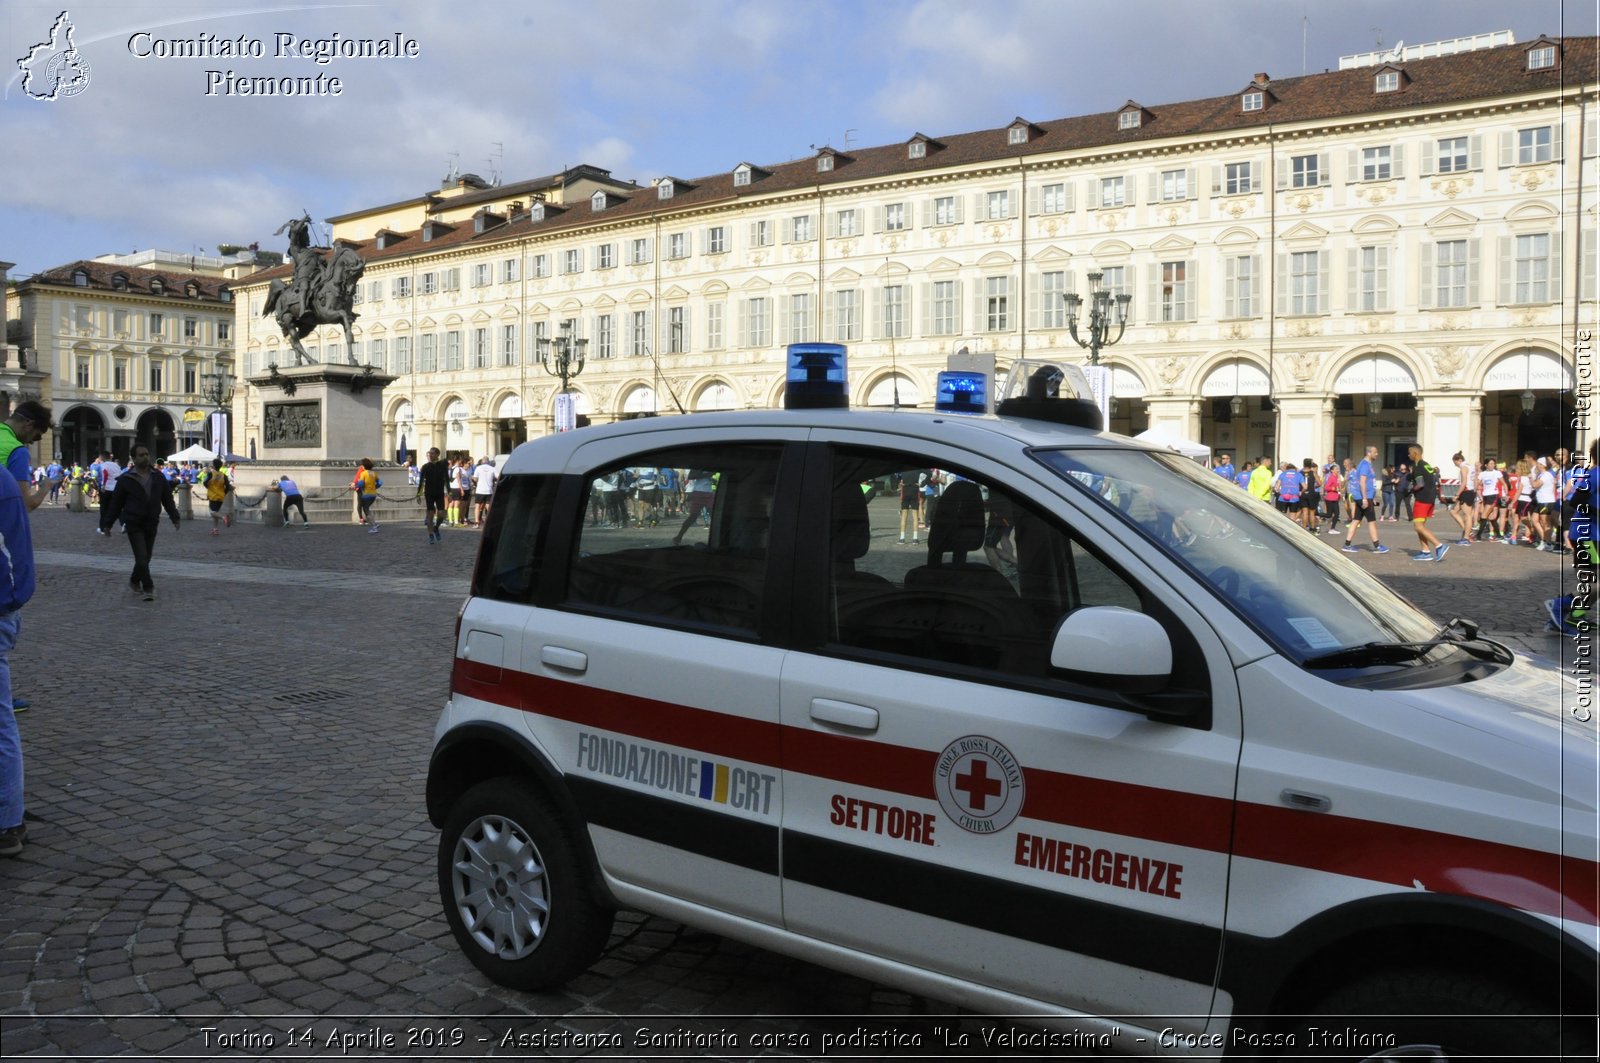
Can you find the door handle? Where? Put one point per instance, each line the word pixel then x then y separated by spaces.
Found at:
pixel 564 659
pixel 844 714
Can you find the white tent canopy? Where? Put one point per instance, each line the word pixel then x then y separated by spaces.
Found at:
pixel 194 452
pixel 1163 437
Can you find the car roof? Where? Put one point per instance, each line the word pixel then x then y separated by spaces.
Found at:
pixel 986 433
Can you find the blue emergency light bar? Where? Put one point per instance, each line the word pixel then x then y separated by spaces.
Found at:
pixel 962 393
pixel 816 377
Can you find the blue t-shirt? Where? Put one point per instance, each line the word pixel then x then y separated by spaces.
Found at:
pixel 1226 471
pixel 1363 484
pixel 1290 484
pixel 16 548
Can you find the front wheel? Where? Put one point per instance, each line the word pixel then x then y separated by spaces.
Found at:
pixel 514 888
pixel 1430 1014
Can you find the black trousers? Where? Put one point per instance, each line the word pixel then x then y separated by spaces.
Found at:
pixel 142 538
pixel 294 502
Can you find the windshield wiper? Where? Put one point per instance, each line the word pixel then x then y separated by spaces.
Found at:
pixel 1396 652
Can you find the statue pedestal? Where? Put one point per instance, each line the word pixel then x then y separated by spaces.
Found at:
pixel 317 422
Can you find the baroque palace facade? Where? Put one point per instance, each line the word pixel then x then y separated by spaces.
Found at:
pixel 1399 250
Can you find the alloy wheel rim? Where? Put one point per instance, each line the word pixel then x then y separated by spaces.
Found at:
pixel 500 888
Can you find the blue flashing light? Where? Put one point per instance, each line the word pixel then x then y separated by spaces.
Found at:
pixel 962 393
pixel 816 377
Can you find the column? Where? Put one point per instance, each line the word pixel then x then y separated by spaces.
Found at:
pixel 1304 429
pixel 1444 425
pixel 1178 415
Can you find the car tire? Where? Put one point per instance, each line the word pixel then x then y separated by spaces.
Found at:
pixel 515 890
pixel 1408 1014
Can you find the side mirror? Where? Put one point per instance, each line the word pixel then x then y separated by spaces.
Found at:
pixel 1115 648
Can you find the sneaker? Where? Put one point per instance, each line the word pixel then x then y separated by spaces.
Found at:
pixel 19 704
pixel 150 594
pixel 1333 531
pixel 372 530
pixel 1423 555
pixel 901 541
pixel 11 839
pixel 1349 548
pixel 1556 609
pixel 1443 548
pixel 285 522
pixel 1540 545
pixel 1380 549
pixel 1463 542
pixel 305 525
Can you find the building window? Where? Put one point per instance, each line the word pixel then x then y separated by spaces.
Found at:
pixel 1532 269
pixel 1174 185
pixel 1305 171
pixel 824 163
pixel 714 328
pixel 1053 299
pixel 1450 273
pixel 639 251
pixel 917 149
pixel 572 261
pixel 541 265
pixel 847 316
pixel 1017 134
pixel 482 274
pixel 1542 58
pixel 894 217
pixel 428 354
pixel 155 377
pixel 119 322
pixel 377 352
pixel 402 354
pixel 846 223
pixel 717 240
pixel 119 375
pixel 605 256
pixel 119 282
pixel 1372 280
pixel 1238 178
pixel 452 350
pixel 638 333
pixel 1386 81
pixel 402 287
pixel 677 329
pixel 480 348
pixel 224 331
pixel 894 312
pixel 741 176
pixel 1377 164
pixel 1305 282
pixel 996 304
pixel 605 336
pixel 1113 192
pixel 1241 283
pixel 83 374
pixel 943 318
pixel 800 318
pixel 1128 120
pixel 541 335
pixel 1452 154
pixel 508 270
pixel 1254 101
pixel 191 329
pixel 157 326
pixel 1176 304
pixel 450 279
pixel 997 206
pixel 678 245
pixel 81 318
pixel 1533 145
pixel 1053 199
pixel 761 234
pixel 664 190
pixel 945 212
pixel 80 278
pixel 508 345
pixel 757 326
pixel 800 228
pixel 597 201
pixel 191 376
pixel 429 283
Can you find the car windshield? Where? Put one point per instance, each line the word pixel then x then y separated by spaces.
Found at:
pixel 1302 596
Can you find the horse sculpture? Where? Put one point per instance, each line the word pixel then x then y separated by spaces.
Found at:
pixel 321 293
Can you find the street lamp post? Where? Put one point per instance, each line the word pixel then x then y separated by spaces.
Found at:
pixel 1106 311
pixel 216 387
pixel 567 363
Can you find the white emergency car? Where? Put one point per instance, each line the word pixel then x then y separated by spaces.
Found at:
pixel 1108 738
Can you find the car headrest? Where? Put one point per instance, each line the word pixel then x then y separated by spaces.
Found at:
pixel 957 523
pixel 852 528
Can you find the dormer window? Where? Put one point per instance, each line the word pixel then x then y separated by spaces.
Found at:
pixel 1129 120
pixel 224 295
pixel 1542 58
pixel 917 149
pixel 80 277
pixel 597 202
pixel 741 175
pixel 192 290
pixel 158 287
pixel 1386 81
pixel 1017 134
pixel 536 212
pixel 119 282
pixel 1254 100
pixel 824 163
pixel 665 189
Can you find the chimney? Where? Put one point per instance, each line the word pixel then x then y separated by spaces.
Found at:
pixel 1261 78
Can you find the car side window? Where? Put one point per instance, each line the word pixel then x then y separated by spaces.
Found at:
pixel 678 536
pixel 519 528
pixel 983 585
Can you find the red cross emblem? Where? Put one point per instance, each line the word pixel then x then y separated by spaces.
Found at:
pixel 978 786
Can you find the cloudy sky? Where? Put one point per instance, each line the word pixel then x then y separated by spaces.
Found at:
pixel 144 157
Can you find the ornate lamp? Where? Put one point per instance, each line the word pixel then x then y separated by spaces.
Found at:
pixel 1106 311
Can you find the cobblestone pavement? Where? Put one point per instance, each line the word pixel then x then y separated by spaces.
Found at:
pixel 225 791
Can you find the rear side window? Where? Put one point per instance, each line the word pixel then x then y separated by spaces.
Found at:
pixel 679 537
pixel 513 553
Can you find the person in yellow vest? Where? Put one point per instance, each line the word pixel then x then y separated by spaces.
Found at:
pixel 1261 480
pixel 217 486
pixel 25 426
pixel 366 488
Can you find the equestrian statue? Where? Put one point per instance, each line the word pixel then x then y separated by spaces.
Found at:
pixel 320 292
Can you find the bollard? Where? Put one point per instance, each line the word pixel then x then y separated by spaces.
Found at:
pixel 75 500
pixel 183 494
pixel 229 510
pixel 272 509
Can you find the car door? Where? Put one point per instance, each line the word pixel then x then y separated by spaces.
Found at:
pixel 952 804
pixel 652 677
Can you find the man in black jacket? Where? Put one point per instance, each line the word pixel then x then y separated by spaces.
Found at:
pixel 140 495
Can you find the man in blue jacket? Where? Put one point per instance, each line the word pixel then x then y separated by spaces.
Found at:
pixel 16 587
pixel 137 500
